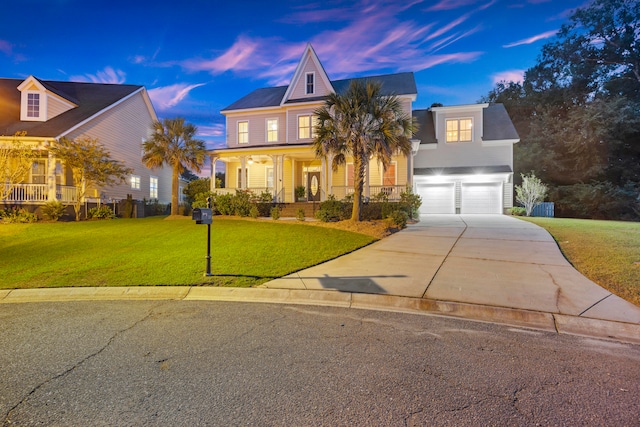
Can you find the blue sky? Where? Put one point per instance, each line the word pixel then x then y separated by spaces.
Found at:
pixel 196 57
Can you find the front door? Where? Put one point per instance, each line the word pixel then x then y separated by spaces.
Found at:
pixel 313 186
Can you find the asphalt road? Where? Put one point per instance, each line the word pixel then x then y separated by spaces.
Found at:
pixel 216 363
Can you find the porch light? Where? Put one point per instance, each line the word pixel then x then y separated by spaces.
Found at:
pixel 250 160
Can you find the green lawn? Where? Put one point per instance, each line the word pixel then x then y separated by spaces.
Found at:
pixel 155 251
pixel 607 252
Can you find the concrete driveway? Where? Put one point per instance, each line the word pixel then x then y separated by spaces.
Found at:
pixel 485 261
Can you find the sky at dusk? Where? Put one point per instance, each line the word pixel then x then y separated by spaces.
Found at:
pixel 196 57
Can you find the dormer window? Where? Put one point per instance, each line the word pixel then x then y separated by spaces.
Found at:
pixel 310 89
pixel 33 105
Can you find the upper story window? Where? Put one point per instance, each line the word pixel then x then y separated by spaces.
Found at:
pixel 33 105
pixel 272 130
pixel 135 182
pixel 243 132
pixel 310 88
pixel 153 187
pixel 305 127
pixel 459 130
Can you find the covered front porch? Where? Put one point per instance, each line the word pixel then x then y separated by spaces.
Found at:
pixel 293 174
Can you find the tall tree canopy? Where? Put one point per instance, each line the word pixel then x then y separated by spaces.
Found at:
pixel 362 124
pixel 173 143
pixel 578 113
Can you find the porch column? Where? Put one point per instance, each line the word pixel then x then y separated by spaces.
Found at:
pixel 280 182
pixel 243 172
pixel 212 177
pixel 329 174
pixel 276 176
pixel 51 177
pixel 323 179
pixel 366 181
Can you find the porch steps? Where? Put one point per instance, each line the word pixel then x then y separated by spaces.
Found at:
pixel 291 209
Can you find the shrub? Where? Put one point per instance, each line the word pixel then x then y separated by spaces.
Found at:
pixel 223 204
pixel 152 207
pixel 254 213
pixel 52 210
pixel 300 214
pixel 518 211
pixel 241 202
pixel 101 212
pixel 398 219
pixel 15 215
pixel 127 210
pixel 332 210
pixel 275 212
pixel 410 202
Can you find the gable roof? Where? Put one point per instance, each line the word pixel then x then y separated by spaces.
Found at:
pixel 90 98
pixel 392 84
pixel 308 55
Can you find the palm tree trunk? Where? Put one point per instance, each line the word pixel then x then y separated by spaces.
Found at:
pixel 175 187
pixel 358 184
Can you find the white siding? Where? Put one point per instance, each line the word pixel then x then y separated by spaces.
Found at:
pixel 121 130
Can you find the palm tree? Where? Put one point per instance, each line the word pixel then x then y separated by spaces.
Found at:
pixel 363 124
pixel 172 143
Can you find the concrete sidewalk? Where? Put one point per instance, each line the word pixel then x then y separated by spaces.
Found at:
pixel 490 268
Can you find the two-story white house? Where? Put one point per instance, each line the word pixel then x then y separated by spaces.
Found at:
pixel 44 111
pixel 461 162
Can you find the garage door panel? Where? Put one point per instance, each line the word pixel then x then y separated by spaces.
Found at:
pixel 437 198
pixel 481 198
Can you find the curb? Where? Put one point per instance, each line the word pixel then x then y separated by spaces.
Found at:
pixel 551 322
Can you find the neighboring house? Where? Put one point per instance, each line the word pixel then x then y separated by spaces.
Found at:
pixel 119 116
pixel 465 161
pixel 270 133
pixel 461 162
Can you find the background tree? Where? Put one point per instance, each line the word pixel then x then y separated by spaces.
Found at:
pixel 196 187
pixel 362 124
pixel 578 113
pixel 15 162
pixel 173 143
pixel 91 166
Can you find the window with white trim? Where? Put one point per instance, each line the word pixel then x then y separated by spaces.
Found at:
pixel 389 176
pixel 306 127
pixel 272 130
pixel 459 130
pixel 243 132
pixel 153 187
pixel 135 182
pixel 33 105
pixel 246 177
pixel 310 84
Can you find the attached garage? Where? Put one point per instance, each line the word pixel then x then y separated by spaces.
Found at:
pixel 437 198
pixel 481 198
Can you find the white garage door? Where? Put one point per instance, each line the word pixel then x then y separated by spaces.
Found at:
pixel 437 198
pixel 482 198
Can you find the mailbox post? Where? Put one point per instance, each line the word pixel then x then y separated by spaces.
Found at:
pixel 205 216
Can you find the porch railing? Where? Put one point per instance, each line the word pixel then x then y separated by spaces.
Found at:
pixel 392 191
pixel 38 193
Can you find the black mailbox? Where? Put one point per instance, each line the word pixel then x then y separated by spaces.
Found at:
pixel 202 216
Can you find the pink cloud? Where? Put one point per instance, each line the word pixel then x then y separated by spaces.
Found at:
pixel 108 75
pixel 351 49
pixel 166 97
pixel 215 130
pixel 451 4
pixel 533 39
pixel 6 47
pixel 516 76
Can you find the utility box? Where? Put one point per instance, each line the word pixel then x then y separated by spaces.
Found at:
pixel 202 216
